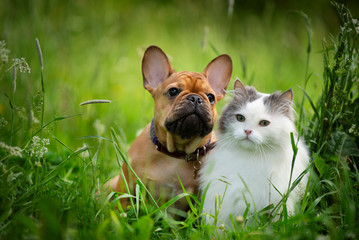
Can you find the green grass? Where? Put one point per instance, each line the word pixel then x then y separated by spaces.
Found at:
pixel 50 189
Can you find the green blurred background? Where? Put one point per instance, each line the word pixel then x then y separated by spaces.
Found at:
pixel 93 50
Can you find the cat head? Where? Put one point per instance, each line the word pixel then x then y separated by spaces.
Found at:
pixel 253 119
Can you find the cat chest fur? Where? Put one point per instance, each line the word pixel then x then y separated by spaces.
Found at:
pixel 250 179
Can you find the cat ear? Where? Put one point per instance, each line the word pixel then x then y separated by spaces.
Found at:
pixel 287 95
pixel 284 103
pixel 155 68
pixel 240 89
pixel 218 72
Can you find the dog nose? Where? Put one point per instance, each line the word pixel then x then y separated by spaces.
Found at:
pixel 195 99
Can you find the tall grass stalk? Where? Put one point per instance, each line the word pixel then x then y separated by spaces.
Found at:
pixel 306 73
pixel 12 102
pixel 41 60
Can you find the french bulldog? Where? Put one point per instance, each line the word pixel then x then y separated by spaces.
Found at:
pixel 181 132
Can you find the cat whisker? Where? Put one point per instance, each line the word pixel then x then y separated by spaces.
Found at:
pixel 262 151
pixel 270 147
pixel 227 141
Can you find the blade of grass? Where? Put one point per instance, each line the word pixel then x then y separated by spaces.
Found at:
pixel 118 157
pixel 133 172
pixel 311 103
pixel 104 205
pixel 295 151
pixel 137 191
pixel 96 137
pixel 194 210
pixel 170 202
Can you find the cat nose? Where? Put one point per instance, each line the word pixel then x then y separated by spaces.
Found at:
pixel 247 132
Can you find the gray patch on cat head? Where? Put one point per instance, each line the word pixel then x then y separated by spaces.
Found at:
pixel 243 94
pixel 253 94
pixel 249 95
pixel 277 102
pixel 240 99
pixel 227 115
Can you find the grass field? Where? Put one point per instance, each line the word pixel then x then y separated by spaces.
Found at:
pixel 56 154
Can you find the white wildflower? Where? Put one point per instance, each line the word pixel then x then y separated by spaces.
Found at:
pixel 46 141
pixel 12 151
pixel 22 65
pixel 38 148
pixel 354 130
pixel 356 25
pixel 15 151
pixel 4 52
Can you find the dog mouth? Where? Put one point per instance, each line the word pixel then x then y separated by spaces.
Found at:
pixel 189 126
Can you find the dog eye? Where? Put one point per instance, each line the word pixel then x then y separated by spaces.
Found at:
pixel 264 123
pixel 240 118
pixel 211 98
pixel 172 92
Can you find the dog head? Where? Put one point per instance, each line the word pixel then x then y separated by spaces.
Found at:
pixel 185 102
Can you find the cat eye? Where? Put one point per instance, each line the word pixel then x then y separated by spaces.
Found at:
pixel 211 98
pixel 240 118
pixel 172 92
pixel 264 123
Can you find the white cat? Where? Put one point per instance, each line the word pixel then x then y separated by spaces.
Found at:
pixel 253 153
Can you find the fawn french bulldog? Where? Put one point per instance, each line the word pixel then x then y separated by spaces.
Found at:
pixel 181 131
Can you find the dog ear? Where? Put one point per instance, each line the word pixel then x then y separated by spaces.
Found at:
pixel 155 68
pixel 218 73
